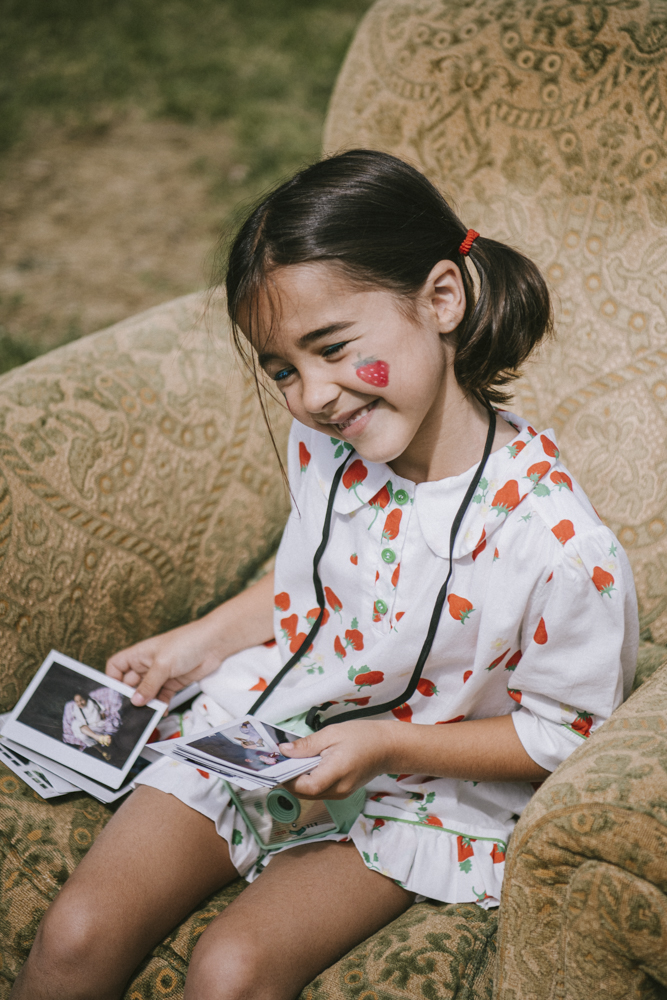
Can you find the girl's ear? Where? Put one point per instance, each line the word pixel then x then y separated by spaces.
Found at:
pixel 446 295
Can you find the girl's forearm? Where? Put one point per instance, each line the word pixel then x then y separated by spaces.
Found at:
pixel 477 750
pixel 243 621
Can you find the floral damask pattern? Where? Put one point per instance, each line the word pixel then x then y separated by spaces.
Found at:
pixel 546 125
pixel 138 486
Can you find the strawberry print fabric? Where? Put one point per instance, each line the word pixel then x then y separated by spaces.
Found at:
pixel 540 622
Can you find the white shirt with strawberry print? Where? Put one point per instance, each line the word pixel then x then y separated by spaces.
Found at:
pixel 540 622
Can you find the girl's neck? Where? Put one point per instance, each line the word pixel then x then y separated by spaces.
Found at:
pixel 451 439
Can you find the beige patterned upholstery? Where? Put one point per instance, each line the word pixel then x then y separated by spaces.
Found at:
pixel 137 486
pixel 545 123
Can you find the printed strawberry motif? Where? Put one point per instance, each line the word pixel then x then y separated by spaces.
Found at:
pixel 427 688
pixel 304 456
pixel 536 471
pixel 583 723
pixel 403 713
pixel 467 675
pixel 459 607
pixel 392 524
pixel 550 577
pixel 507 498
pixel 354 559
pixel 550 448
pixel 492 666
pixel 561 479
pixel 399 615
pixel 445 722
pixel 496 555
pixel 381 500
pixel 261 685
pixel 311 617
pixel 354 475
pixel 497 854
pixel 481 545
pixel 357 701
pixel 514 694
pixel 516 448
pixel 373 371
pixel 465 852
pixel 339 649
pixel 289 626
pixel 395 575
pixel 603 580
pixel 281 602
pixel 513 661
pixel 533 433
pixel 564 531
pixel 363 677
pixel 379 609
pixel 205 774
pixel 269 643
pixel 296 641
pixel 354 637
pixel 541 636
pixel 432 820
pixel 333 602
pixel 378 824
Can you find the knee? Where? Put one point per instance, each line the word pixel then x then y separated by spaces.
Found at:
pixel 66 946
pixel 231 966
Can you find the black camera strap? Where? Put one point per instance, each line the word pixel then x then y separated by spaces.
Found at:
pixel 313 719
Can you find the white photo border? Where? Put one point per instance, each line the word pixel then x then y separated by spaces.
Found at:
pixel 98 770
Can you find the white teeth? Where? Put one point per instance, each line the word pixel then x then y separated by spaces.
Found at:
pixel 355 416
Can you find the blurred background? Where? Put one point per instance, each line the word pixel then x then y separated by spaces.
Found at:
pixel 132 132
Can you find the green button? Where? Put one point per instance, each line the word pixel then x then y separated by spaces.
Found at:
pixel 389 555
pixel 381 607
pixel 400 496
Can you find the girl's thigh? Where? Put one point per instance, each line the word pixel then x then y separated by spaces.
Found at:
pixel 152 864
pixel 309 907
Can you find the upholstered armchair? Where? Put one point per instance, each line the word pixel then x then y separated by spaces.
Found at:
pixel 138 486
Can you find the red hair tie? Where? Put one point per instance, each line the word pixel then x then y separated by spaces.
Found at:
pixel 471 236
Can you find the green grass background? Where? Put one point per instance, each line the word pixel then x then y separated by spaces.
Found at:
pixel 267 67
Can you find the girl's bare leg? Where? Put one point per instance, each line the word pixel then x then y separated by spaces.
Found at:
pixel 152 864
pixel 310 906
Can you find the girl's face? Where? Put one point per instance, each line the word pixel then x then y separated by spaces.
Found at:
pixel 352 364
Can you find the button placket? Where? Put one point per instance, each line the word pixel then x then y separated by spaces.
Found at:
pixel 392 535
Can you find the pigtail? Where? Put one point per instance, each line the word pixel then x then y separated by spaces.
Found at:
pixel 511 315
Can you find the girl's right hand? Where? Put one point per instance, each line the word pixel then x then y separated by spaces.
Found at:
pixel 164 664
pixel 161 666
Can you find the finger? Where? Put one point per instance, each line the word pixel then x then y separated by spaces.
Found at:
pixel 307 746
pixel 117 666
pixel 151 683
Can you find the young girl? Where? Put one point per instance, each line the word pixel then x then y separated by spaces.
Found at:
pixel 449 616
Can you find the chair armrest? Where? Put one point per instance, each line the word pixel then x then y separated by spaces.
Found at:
pixel 138 487
pixel 583 909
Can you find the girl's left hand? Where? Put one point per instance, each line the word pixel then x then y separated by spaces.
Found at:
pixel 352 754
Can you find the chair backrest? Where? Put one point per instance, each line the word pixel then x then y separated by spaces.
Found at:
pixel 138 487
pixel 546 126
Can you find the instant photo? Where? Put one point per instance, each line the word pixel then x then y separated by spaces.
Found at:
pixel 83 719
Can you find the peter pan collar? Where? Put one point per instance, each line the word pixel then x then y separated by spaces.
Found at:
pixel 512 472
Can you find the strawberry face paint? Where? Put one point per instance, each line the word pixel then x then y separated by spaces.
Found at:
pixel 373 371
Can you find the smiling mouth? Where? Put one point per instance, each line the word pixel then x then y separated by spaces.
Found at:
pixel 357 415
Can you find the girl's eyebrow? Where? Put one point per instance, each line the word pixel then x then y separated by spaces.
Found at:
pixel 310 338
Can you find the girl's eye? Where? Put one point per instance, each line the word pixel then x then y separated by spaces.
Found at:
pixel 282 374
pixel 333 349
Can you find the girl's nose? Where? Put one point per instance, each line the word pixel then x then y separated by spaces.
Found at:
pixel 318 392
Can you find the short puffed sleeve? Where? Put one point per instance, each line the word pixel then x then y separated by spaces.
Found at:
pixel 580 635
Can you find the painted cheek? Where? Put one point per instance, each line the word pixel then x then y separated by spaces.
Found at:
pixel 373 372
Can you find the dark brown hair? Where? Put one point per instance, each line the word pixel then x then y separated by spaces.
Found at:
pixel 385 225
